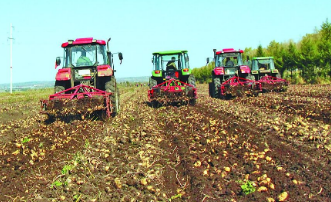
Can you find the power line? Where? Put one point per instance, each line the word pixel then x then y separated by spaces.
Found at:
pixel 11 58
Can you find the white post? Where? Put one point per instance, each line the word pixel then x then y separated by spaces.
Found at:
pixel 11 58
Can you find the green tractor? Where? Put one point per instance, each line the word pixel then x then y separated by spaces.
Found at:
pixel 264 66
pixel 172 81
pixel 264 71
pixel 171 65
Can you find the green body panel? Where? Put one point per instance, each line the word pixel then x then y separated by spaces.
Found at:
pixel 274 71
pixel 170 52
pixel 255 72
pixel 186 73
pixel 157 75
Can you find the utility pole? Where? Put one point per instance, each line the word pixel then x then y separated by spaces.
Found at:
pixel 11 58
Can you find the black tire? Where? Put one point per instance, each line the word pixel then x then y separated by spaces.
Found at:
pixel 192 101
pixel 152 82
pixel 155 104
pixel 59 86
pixel 217 84
pixel 250 77
pixel 110 86
pixel 191 80
pixel 211 90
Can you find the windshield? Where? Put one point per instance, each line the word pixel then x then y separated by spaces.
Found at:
pixel 228 60
pixel 180 61
pixel 263 64
pixel 85 55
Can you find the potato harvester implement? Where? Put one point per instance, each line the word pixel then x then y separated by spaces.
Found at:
pixel 172 91
pixel 265 72
pixel 271 83
pixel 237 86
pixel 79 100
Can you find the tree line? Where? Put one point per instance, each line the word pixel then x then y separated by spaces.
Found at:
pixel 308 61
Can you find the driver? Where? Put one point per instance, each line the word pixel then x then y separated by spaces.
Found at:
pixel 83 60
pixel 171 65
pixel 229 62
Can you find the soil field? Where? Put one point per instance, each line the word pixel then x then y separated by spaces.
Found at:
pixel 273 147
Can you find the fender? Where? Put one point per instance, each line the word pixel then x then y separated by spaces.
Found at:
pixel 104 70
pixel 63 74
pixel 157 73
pixel 219 71
pixel 186 71
pixel 244 69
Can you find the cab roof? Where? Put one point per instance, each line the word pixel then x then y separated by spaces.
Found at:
pixel 229 50
pixel 170 52
pixel 82 41
pixel 262 58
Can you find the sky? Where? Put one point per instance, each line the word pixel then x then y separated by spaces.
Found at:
pixel 140 27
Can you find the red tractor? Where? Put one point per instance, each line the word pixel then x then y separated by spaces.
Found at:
pixel 230 76
pixel 87 72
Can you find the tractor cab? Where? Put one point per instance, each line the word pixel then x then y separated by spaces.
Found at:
pixel 230 74
pixel 263 66
pixel 228 63
pixel 171 80
pixel 170 65
pixel 86 61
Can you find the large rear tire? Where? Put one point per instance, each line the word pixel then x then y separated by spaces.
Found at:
pixel 191 80
pixel 211 89
pixel 217 84
pixel 110 86
pixel 59 86
pixel 152 82
pixel 250 77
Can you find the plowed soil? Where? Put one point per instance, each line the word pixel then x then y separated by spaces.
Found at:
pixel 273 147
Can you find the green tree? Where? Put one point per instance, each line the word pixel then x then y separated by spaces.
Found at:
pixel 290 58
pixel 325 49
pixel 260 52
pixel 308 56
pixel 276 50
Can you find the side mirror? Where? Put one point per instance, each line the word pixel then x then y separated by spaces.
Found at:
pixel 207 60
pixel 152 60
pixel 57 62
pixel 120 56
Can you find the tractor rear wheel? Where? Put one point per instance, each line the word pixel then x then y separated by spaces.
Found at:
pixel 211 89
pixel 250 77
pixel 152 82
pixel 191 80
pixel 110 86
pixel 217 84
pixel 59 86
